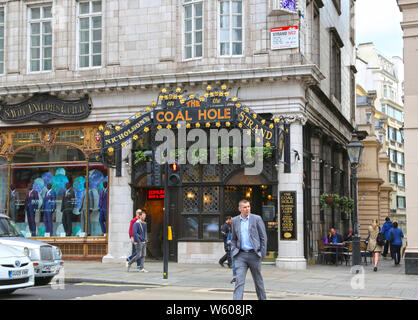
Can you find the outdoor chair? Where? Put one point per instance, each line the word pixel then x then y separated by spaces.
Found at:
pixel 348 254
pixel 364 253
pixel 322 252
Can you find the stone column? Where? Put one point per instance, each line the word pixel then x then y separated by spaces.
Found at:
pixel 315 187
pixel 120 213
pixel 291 252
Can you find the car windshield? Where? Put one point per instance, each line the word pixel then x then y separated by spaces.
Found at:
pixel 7 229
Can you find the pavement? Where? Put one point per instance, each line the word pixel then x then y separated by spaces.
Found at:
pixel 335 282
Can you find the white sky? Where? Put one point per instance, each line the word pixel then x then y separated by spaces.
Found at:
pixel 378 21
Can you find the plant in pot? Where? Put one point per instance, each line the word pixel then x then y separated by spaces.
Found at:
pixel 328 200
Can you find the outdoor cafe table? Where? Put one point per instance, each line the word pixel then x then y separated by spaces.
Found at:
pixel 338 247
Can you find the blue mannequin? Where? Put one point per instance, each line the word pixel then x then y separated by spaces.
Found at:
pixel 48 207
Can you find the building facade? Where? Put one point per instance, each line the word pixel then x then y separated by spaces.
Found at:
pixel 409 9
pixel 292 61
pixel 385 76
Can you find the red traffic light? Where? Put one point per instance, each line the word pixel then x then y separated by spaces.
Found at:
pixel 174 167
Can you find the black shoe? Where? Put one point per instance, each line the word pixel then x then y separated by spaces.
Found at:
pixel 222 265
pixel 375 269
pixel 230 266
pixel 233 280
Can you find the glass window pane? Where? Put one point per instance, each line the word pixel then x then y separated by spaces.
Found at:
pixel 210 228
pixel 188 25
pixel 237 48
pixel 225 7
pixel 97 22
pixel 188 52
pixel 97 6
pixel 190 228
pixel 97 35
pixel 47 12
pixel 35 28
pixel 84 61
pixel 198 51
pixel 47 40
pixel 84 36
pixel 236 35
pixel 188 39
pixel 84 48
pixel 84 23
pixel 198 24
pixel 34 65
pixel 237 21
pixel 97 47
pixel 1 16
pixel 84 7
pixel 198 36
pixel 46 27
pixel 97 60
pixel 224 49
pixel 198 9
pixel 236 7
pixel 224 35
pixel 224 22
pixel 35 53
pixel 1 68
pixel 47 64
pixel 35 41
pixel 2 56
pixel 35 13
pixel 47 52
pixel 188 12
pixel 1 44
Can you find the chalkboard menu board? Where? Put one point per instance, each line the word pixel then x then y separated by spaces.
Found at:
pixel 288 215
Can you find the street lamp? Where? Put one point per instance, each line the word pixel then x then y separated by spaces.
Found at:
pixel 354 150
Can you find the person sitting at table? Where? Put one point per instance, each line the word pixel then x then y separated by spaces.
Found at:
pixel 349 235
pixel 333 238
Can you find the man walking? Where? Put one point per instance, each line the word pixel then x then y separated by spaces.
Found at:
pixel 386 231
pixel 139 231
pixel 248 248
pixel 225 229
pixel 131 236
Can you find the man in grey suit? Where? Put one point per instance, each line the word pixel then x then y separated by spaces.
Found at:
pixel 248 247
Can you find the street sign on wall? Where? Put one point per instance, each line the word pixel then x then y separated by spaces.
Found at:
pixel 284 38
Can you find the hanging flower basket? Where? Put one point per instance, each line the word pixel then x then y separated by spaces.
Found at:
pixel 329 200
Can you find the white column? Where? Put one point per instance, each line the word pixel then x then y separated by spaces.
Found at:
pixel 291 252
pixel 120 213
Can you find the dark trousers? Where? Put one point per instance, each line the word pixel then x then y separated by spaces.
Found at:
pixel 31 222
pixel 48 222
pixel 395 251
pixel 226 256
pixel 67 222
pixel 386 249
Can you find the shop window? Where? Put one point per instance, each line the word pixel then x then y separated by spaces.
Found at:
pixel 211 199
pixel 210 228
pixel 230 28
pixel 230 199
pixel 56 154
pixel 190 173
pixel 190 228
pixel 191 200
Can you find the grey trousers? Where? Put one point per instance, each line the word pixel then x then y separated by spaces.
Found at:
pixel 140 254
pixel 243 261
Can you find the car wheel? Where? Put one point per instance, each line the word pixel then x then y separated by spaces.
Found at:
pixel 42 281
pixel 4 292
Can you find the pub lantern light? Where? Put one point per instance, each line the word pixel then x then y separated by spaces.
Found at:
pixel 355 150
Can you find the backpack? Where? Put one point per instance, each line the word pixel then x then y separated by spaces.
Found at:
pixel 380 240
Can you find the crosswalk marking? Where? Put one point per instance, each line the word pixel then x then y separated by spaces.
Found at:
pixel 116 285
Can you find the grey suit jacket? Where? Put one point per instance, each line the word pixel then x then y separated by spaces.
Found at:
pixel 258 235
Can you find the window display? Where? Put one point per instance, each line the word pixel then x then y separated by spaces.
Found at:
pixel 52 199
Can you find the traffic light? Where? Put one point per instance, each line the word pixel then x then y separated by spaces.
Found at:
pixel 174 175
pixel 153 170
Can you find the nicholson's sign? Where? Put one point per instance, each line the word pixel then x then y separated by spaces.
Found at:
pixel 44 108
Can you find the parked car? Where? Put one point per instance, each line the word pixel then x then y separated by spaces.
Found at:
pixel 16 270
pixel 47 259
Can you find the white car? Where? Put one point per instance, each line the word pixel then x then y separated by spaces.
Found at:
pixel 16 270
pixel 47 259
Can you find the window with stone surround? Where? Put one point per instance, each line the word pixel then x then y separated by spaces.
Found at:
pixel 193 29
pixel 90 29
pixel 335 64
pixel 230 28
pixel 1 40
pixel 40 38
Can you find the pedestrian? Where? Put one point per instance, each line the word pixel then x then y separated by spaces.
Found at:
pixel 131 236
pixel 349 236
pixel 139 231
pixel 395 238
pixel 372 245
pixel 225 229
pixel 248 248
pixel 385 230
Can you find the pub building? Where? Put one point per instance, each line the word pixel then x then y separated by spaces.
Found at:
pixel 293 64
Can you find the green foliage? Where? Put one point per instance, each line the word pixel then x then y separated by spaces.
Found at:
pixel 344 203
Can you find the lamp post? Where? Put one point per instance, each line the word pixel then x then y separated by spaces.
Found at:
pixel 354 150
